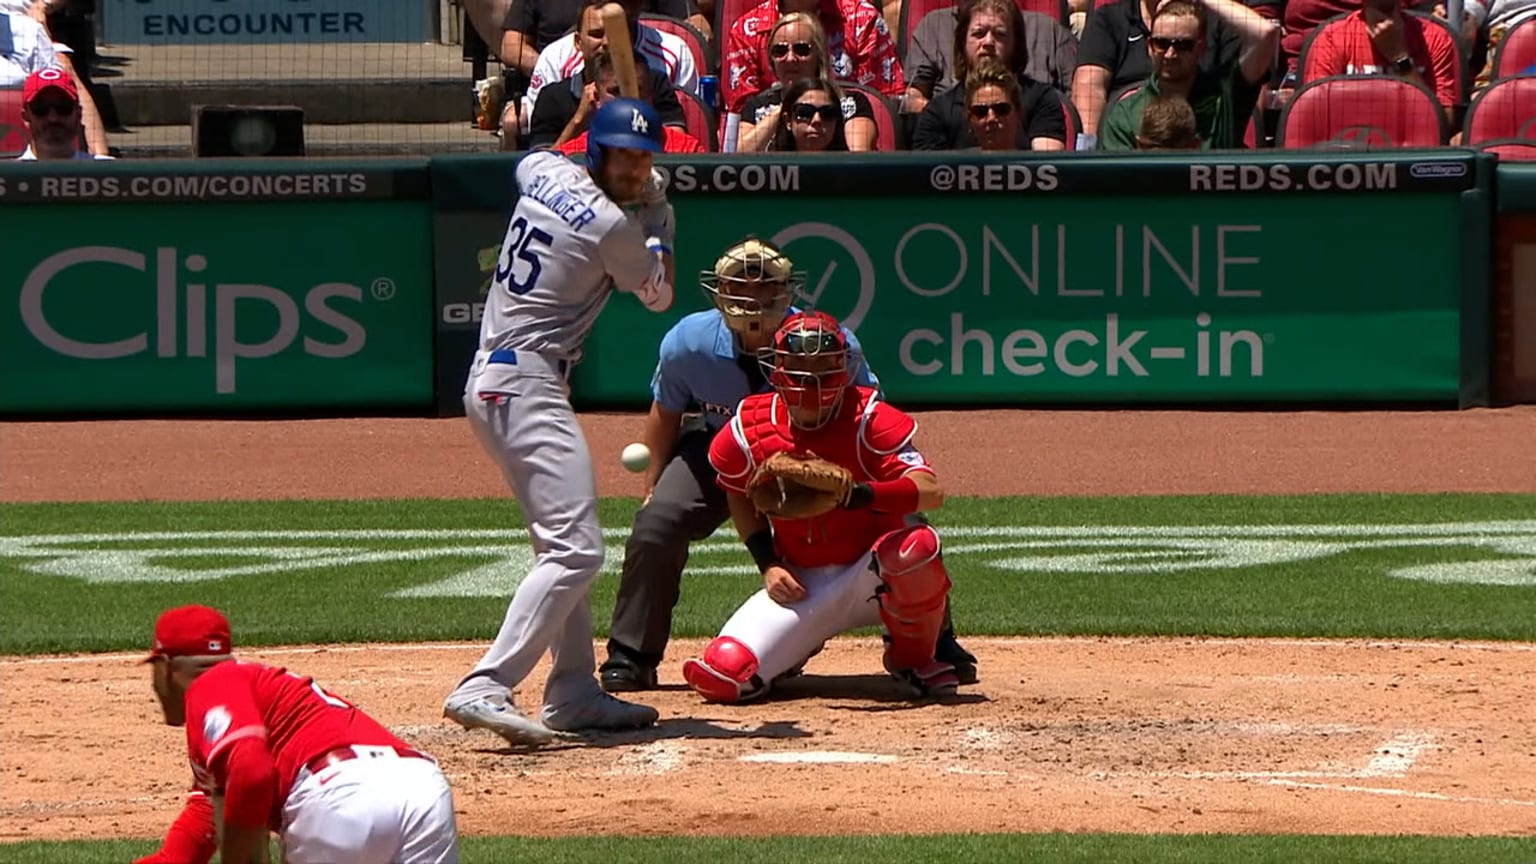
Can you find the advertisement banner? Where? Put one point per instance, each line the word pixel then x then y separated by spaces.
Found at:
pixel 1296 287
pixel 225 308
pixel 209 22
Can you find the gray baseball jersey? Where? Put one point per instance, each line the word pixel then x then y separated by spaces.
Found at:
pixel 567 246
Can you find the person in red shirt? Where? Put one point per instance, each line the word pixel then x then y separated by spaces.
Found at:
pixel 858 42
pixel 273 751
pixel 868 562
pixel 1380 39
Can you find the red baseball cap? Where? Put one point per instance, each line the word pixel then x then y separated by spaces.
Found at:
pixel 191 631
pixel 46 79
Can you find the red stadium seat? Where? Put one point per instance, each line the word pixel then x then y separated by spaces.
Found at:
pixel 699 120
pixel 1361 112
pixel 1073 122
pixel 1517 51
pixel 1504 113
pixel 1511 151
pixel 13 133
pixel 703 52
pixel 885 115
pixel 913 12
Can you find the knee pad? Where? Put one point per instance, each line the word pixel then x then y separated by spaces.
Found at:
pixel 913 588
pixel 726 673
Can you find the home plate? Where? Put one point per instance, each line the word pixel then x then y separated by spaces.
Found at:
pixel 823 757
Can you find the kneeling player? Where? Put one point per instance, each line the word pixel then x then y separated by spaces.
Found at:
pixel 871 560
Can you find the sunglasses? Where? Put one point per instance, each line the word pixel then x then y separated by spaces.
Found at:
pixel 780 50
pixel 806 113
pixel 43 109
pixel 1001 109
pixel 1161 45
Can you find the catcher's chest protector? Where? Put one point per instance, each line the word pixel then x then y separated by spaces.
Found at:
pixel 765 423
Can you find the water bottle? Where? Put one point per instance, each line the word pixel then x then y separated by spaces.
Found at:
pixel 709 91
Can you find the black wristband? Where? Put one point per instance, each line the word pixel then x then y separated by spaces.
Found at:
pixel 761 547
pixel 860 496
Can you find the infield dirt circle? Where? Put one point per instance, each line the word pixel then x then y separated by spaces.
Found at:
pixel 1087 734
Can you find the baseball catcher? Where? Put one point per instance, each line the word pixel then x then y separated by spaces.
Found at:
pixel 824 486
pixel 707 363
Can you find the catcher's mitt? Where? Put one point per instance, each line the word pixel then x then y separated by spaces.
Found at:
pixel 799 487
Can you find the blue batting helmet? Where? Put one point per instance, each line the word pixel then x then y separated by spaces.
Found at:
pixel 622 123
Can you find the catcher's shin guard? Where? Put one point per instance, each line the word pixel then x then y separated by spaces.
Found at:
pixel 913 588
pixel 726 673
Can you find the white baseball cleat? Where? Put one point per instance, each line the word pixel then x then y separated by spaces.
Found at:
pixel 598 711
pixel 499 717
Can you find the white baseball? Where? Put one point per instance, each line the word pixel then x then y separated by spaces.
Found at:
pixel 636 457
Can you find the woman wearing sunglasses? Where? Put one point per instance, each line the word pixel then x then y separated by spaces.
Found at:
pixel 986 32
pixel 812 119
pixel 797 48
pixel 991 101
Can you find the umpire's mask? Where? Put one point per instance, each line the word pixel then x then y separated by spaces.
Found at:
pixel 752 285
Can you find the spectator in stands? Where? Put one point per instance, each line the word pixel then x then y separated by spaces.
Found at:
pixel 797 47
pixel 1223 102
pixel 565 106
pixel 605 86
pixel 564 58
pixel 1495 18
pixel 26 46
pixel 858 43
pixel 991 102
pixel 986 29
pixel 813 122
pixel 1168 123
pixel 1047 51
pixel 1380 39
pixel 1113 58
pixel 50 108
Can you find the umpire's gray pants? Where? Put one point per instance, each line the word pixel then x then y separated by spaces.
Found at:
pixel 685 506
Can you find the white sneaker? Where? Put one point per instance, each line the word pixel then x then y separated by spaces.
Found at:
pixel 499 717
pixel 598 711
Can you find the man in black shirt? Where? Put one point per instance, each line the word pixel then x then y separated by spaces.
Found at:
pixel 559 102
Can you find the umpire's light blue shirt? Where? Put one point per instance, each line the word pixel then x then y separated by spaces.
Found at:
pixel 697 369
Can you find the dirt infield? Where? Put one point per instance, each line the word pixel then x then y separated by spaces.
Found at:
pixel 1135 735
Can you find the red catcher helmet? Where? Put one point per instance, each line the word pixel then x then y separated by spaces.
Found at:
pixel 810 367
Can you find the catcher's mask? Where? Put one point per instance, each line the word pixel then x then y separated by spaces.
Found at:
pixel 810 367
pixel 752 285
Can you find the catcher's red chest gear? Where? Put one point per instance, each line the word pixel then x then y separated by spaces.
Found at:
pixel 868 437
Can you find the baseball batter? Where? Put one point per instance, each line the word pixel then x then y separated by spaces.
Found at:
pixel 275 751
pixel 576 235
pixel 860 564
pixel 709 361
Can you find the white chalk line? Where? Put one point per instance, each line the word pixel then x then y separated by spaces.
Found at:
pixel 1003 641
pixel 1403 793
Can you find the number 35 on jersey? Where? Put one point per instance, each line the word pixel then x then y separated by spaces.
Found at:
pixel 523 258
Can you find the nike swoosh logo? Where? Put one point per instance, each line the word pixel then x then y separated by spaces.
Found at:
pixel 1136 38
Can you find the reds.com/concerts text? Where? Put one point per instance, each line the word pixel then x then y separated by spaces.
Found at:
pixel 211 186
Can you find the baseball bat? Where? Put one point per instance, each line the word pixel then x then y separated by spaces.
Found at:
pixel 621 50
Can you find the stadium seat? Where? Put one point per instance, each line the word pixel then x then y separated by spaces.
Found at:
pixel 1511 151
pixel 1361 112
pixel 885 115
pixel 703 52
pixel 1073 122
pixel 1504 114
pixel 913 12
pixel 1517 51
pixel 699 120
pixel 13 134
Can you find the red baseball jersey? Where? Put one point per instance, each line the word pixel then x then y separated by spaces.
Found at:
pixel 868 437
pixel 858 41
pixel 298 721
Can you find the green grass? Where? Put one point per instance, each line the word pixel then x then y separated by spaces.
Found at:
pixel 1347 592
pixel 929 849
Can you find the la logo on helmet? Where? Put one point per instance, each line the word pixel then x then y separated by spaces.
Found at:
pixel 637 123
